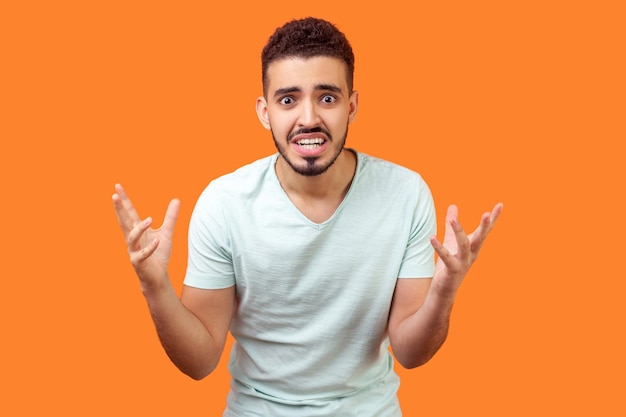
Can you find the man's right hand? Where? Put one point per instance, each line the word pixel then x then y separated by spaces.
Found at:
pixel 149 248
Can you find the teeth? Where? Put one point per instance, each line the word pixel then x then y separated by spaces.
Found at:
pixel 316 141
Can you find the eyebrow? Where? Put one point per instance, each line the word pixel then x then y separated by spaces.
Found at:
pixel 328 87
pixel 318 87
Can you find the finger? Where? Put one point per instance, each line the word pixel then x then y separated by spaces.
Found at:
pixel 495 213
pixel 126 214
pixel 171 215
pixel 451 215
pixel 133 240
pixel 444 254
pixel 487 222
pixel 462 241
pixel 455 236
pixel 480 233
pixel 487 219
pixel 453 211
pixel 122 217
pixel 137 257
pixel 126 204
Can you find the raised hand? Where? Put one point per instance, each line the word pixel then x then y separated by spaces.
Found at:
pixel 458 251
pixel 149 248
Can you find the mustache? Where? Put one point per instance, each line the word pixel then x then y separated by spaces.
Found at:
pixel 302 131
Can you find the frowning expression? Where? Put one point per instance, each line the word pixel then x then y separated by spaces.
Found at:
pixel 308 108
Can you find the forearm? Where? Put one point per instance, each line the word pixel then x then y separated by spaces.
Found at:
pixel 186 340
pixel 417 338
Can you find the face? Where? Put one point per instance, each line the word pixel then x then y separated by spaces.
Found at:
pixel 308 109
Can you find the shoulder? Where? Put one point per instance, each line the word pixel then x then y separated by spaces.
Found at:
pixel 231 195
pixel 246 180
pixel 373 170
pixel 247 174
pixel 398 189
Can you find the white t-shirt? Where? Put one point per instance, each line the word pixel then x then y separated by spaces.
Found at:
pixel 310 328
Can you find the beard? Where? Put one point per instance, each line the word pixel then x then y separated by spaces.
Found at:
pixel 312 167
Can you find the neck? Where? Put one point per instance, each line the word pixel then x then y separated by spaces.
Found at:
pixel 332 183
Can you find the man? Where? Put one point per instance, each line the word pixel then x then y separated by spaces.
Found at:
pixel 316 258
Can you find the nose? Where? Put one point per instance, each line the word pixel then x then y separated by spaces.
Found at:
pixel 309 114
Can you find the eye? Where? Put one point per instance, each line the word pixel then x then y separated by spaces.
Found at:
pixel 286 100
pixel 328 99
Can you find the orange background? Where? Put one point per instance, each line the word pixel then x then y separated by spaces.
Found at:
pixel 520 102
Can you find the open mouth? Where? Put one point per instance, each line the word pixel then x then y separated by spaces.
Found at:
pixel 310 143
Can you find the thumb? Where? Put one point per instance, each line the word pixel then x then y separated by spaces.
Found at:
pixel 171 215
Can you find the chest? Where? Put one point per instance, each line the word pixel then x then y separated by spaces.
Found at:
pixel 316 210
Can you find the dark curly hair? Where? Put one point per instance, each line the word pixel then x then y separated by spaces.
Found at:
pixel 307 38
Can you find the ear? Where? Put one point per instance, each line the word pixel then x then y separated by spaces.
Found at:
pixel 261 112
pixel 354 106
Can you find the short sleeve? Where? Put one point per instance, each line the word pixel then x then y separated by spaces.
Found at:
pixel 418 260
pixel 209 264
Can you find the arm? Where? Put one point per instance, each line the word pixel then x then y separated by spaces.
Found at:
pixel 191 329
pixel 420 311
